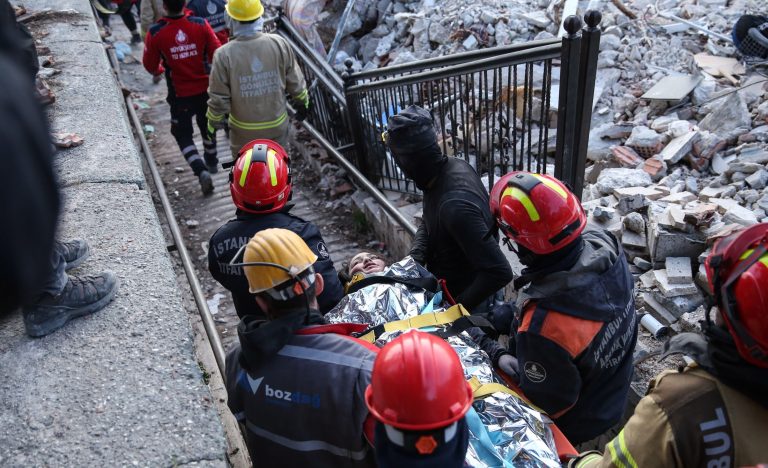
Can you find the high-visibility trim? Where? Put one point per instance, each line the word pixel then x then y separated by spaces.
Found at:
pixel 551 184
pixel 246 166
pixel 307 445
pixel 328 357
pixel 258 125
pixel 303 97
pixel 590 459
pixel 483 390
pixel 620 456
pixel 271 156
pixel 210 115
pixel 420 321
pixel 523 198
pixel 763 259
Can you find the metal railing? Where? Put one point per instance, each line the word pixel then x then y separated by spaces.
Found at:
pixel 519 107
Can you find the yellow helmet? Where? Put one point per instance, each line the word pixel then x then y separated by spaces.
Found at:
pixel 244 10
pixel 279 246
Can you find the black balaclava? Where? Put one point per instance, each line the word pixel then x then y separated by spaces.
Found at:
pixel 539 265
pixel 413 142
pixel 450 455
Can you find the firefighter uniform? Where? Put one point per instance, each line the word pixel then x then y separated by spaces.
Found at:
pixel 575 338
pixel 250 77
pixel 688 419
pixel 150 13
pixel 299 392
pixel 183 48
pixel 226 241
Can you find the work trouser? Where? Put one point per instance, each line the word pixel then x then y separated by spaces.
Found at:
pixel 125 12
pixel 57 277
pixel 183 109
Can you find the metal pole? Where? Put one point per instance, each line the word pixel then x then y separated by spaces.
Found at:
pixel 590 47
pixel 696 26
pixel 194 284
pixel 568 103
pixel 362 180
pixel 340 32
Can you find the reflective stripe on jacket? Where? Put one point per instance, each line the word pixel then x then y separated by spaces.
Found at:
pixel 249 80
pixel 304 406
pixel 688 419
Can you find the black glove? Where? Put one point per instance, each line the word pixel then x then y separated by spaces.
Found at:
pixel 302 110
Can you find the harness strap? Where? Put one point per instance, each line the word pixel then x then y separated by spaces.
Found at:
pixel 420 321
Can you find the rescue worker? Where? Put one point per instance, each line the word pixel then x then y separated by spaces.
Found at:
pixel 575 328
pixel 214 12
pixel 713 412
pixel 250 77
pixel 124 9
pixel 260 184
pixel 296 385
pixel 182 46
pixel 150 12
pixel 458 240
pixel 419 396
pixel 33 263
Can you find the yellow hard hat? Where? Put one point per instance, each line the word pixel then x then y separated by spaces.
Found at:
pixel 280 246
pixel 244 10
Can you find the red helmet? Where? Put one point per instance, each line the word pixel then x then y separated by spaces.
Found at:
pixel 260 181
pixel 537 211
pixel 737 269
pixel 418 384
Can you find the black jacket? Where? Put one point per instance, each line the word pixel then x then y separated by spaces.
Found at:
pixel 457 240
pixel 29 197
pixel 226 241
pixel 575 339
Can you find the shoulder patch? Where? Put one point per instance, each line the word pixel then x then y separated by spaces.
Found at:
pixel 322 251
pixel 571 333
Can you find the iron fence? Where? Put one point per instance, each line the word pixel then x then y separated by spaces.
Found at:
pixel 519 107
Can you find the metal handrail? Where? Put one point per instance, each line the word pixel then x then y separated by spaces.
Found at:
pixel 514 58
pixel 178 239
pixel 333 87
pixel 313 57
pixel 452 59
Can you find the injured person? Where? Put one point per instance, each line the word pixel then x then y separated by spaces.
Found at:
pixel 504 429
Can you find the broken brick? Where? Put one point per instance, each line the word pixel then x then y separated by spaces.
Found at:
pixel 626 156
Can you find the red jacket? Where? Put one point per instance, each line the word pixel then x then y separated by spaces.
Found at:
pixel 185 45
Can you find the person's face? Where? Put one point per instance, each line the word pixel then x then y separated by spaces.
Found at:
pixel 365 262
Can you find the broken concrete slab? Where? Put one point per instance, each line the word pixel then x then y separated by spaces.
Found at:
pixel 733 212
pixel 707 145
pixel 701 214
pixel 634 240
pixel 603 214
pixel 679 270
pixel 758 180
pixel 655 308
pixel 663 243
pixel 678 147
pixel 646 279
pixel 709 193
pixel 634 222
pixel 680 198
pixel 661 124
pixel 730 119
pixel 661 280
pixel 643 264
pixel 679 305
pixel 616 178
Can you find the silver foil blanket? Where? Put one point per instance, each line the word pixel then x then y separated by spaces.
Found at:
pixel 382 303
pixel 505 431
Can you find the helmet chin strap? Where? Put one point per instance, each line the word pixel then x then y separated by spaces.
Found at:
pixel 291 272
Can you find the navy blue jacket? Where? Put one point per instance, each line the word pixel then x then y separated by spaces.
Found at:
pixel 576 337
pixel 226 241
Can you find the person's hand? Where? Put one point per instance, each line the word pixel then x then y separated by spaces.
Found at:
pixel 508 365
pixel 302 109
pixel 214 125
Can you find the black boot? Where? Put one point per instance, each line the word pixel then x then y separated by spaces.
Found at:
pixel 82 295
pixel 74 252
pixel 206 182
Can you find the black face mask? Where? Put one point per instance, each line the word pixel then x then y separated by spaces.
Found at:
pixel 421 165
pixel 449 455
